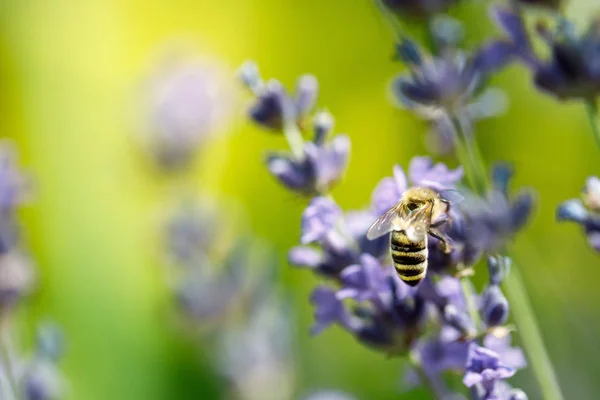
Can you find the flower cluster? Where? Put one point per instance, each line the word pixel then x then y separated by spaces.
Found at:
pixel 585 212
pixel 450 85
pixel 186 100
pixel 34 377
pixel 311 167
pixel 443 323
pixel 572 71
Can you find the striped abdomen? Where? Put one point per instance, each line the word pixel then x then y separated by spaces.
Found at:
pixel 410 258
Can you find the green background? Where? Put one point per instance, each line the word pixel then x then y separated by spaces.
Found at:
pixel 69 71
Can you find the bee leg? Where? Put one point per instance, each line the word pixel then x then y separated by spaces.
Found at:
pixel 444 241
pixel 441 221
pixel 447 203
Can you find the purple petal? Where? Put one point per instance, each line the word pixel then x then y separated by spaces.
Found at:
pixel 307 90
pixel 305 256
pixel 287 171
pixel 385 195
pixel 400 178
pixel 328 309
pixel 332 162
pixel 494 56
pixel 512 357
pixel 318 219
pixel 594 240
pixel 512 24
pixel 472 378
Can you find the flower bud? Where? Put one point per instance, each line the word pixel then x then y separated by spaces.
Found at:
pixel 494 309
pixel 459 320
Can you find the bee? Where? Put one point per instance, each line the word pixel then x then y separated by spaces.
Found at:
pixel 419 213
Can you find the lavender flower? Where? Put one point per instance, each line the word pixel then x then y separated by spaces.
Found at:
pixel 17 279
pixel 585 212
pixel 41 377
pixel 421 172
pixel 321 166
pixel 274 107
pixel 572 71
pixel 188 98
pixel 448 85
pixel 256 352
pixel 484 369
pixel 490 222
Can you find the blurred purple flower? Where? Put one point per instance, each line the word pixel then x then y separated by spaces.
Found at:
pixel 328 310
pixel 449 85
pixel 585 212
pixel 573 69
pixel 256 351
pixel 490 222
pixel 485 368
pixel 188 98
pixel 274 107
pixel 318 219
pixel 322 166
pixel 421 172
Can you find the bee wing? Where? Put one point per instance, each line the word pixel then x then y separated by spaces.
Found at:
pixel 454 196
pixel 384 224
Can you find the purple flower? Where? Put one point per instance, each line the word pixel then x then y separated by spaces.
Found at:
pixel 442 352
pixel 188 99
pixel 422 172
pixel 490 222
pixel 274 107
pixel 319 218
pixel 321 167
pixel 365 281
pixel 494 306
pixel 451 84
pixel 484 368
pixel 585 212
pixel 573 68
pixel 255 352
pixel 328 310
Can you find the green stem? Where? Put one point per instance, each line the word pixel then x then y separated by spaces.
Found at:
pixel 467 290
pixel 294 138
pixel 473 153
pixel 531 336
pixel 7 364
pixel 522 311
pixel 461 151
pixel 592 113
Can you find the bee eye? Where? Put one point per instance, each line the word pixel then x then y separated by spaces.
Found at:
pixel 412 206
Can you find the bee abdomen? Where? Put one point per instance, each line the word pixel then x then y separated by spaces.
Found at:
pixel 410 259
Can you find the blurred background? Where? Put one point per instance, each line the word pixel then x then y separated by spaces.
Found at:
pixel 73 79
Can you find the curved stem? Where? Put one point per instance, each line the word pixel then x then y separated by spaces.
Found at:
pixel 515 289
pixel 294 138
pixel 467 290
pixel 592 113
pixel 474 154
pixel 531 336
pixel 7 363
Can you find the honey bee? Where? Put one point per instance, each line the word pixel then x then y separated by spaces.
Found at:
pixel 419 213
